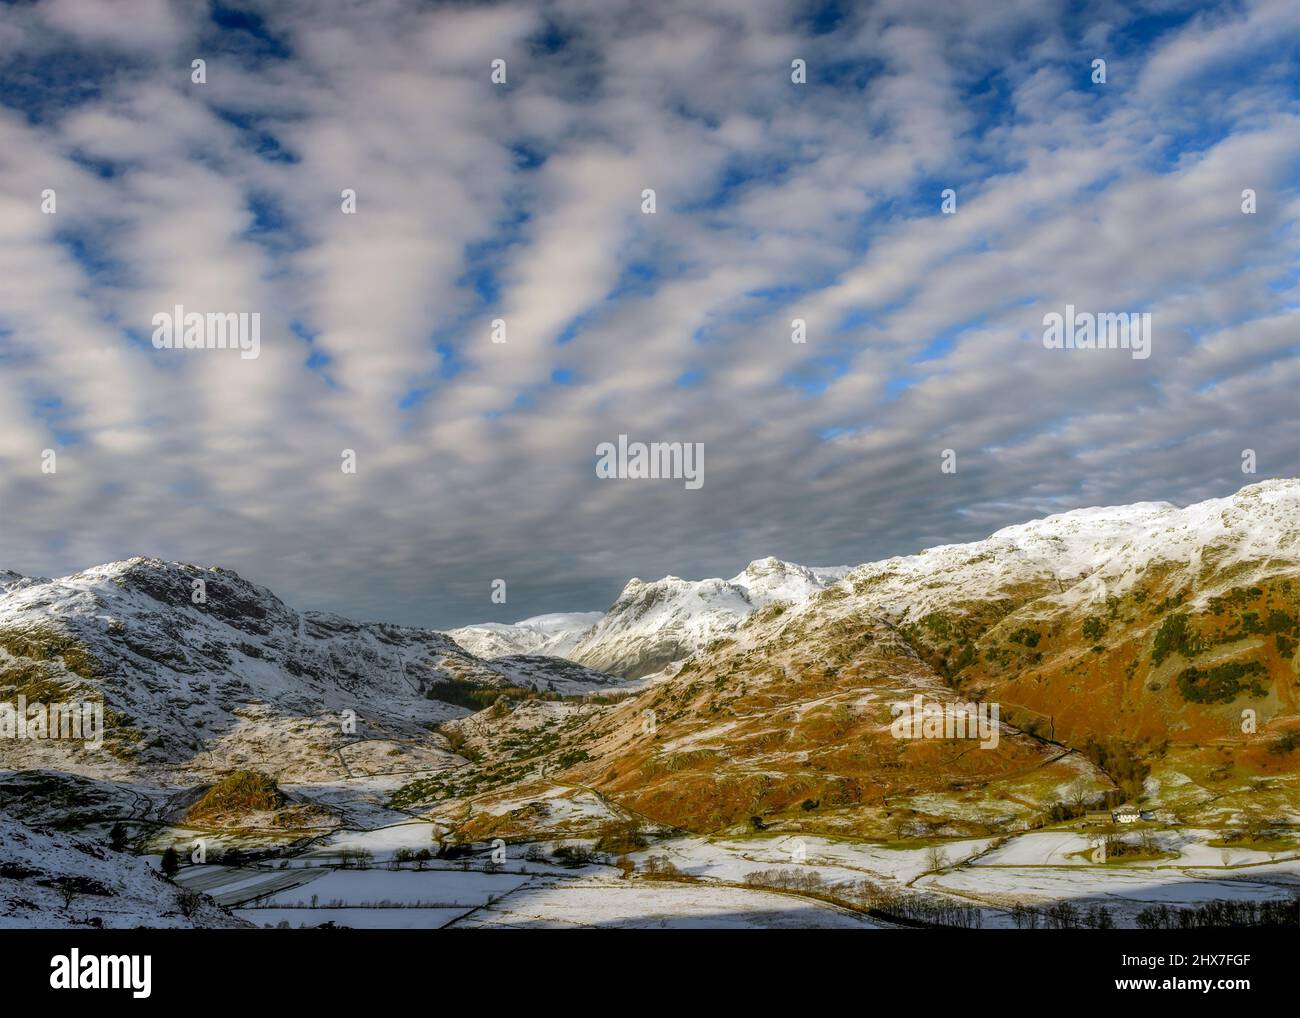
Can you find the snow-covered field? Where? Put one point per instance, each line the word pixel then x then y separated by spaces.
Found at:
pixel 591 902
pixel 1036 870
pixel 399 887
pixel 1124 891
pixel 836 861
pixel 645 905
pixel 1189 845
pixel 310 888
pixel 354 918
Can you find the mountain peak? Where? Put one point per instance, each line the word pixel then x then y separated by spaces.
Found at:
pixel 652 625
pixel 1272 489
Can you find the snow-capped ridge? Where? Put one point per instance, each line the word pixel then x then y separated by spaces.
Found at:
pixel 1107 546
pixel 652 625
pixel 552 634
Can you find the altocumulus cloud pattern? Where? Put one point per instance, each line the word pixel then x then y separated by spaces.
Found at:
pixel 916 185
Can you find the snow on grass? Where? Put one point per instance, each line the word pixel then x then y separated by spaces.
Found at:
pixel 230 885
pixel 381 842
pixel 109 889
pixel 1135 886
pixel 354 918
pixel 655 905
pixel 404 887
pixel 1070 848
pixel 1040 848
pixel 836 861
pixel 564 805
pixel 1193 850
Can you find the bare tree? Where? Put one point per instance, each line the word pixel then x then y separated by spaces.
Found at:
pixel 1077 795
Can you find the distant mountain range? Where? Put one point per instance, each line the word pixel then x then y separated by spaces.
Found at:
pixel 653 625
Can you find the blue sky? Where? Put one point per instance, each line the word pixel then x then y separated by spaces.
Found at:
pixel 478 201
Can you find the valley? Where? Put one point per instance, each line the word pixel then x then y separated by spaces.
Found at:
pixel 714 752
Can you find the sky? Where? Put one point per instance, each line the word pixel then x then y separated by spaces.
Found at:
pixel 523 201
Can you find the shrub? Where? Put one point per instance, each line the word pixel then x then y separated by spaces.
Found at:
pixel 1062 915
pixel 188 901
pixel 1175 636
pixel 573 855
pixel 1220 684
pixel 1025 636
pixel 787 879
pixel 620 837
pixel 238 792
pixel 660 867
pixel 401 855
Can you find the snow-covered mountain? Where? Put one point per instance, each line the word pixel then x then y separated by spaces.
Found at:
pixel 554 634
pixel 1141 622
pixel 1147 622
pixel 1056 551
pixel 1090 560
pixel 1125 646
pixel 10 579
pixel 199 670
pixel 652 625
pixel 1091 553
